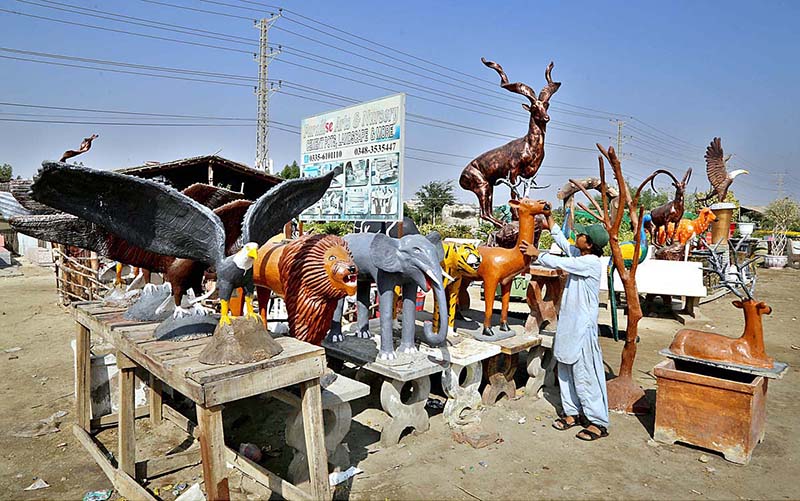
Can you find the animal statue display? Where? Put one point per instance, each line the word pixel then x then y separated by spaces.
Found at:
pixel 85 146
pixel 687 228
pixel 517 160
pixel 672 211
pixel 748 349
pixel 499 266
pixel 408 226
pixel 460 260
pixel 312 273
pixel 168 222
pixel 182 274
pixel 411 261
pixel 717 171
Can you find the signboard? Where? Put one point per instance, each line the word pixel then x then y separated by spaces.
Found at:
pixel 364 144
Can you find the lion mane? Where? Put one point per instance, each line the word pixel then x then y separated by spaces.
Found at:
pixel 310 293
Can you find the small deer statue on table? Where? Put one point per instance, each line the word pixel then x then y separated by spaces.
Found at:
pixel 748 349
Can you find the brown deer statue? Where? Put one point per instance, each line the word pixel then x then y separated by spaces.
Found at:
pixel 672 211
pixel 748 349
pixel 500 266
pixel 518 159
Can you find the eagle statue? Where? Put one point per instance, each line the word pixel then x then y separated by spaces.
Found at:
pixel 717 171
pixel 164 221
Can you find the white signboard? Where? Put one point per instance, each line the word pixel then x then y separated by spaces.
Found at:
pixel 364 144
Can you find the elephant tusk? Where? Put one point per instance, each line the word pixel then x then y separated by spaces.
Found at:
pixel 447 276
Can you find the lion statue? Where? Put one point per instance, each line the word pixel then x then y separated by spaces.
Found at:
pixel 311 273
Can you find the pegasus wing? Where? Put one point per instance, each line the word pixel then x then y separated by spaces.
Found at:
pixel 281 204
pixel 145 213
pixel 715 165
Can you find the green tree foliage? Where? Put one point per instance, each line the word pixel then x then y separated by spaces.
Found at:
pixel 6 171
pixel 290 171
pixel 340 228
pixel 433 196
pixel 650 199
pixel 783 213
pixel 413 214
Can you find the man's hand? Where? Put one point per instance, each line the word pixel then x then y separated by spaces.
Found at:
pixel 528 249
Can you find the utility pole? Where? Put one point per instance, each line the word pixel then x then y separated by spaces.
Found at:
pixel 264 57
pixel 620 123
pixel 779 181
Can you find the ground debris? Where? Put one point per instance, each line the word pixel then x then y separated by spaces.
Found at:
pixel 703 458
pixel 476 438
pixel 41 427
pixel 38 484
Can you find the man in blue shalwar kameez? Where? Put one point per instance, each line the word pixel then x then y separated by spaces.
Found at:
pixel 580 362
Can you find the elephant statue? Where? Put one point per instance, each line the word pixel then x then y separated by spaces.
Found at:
pixel 409 262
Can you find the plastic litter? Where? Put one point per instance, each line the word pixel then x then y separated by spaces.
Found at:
pixel 522 420
pixel 179 488
pixel 41 427
pixel 193 493
pixel 39 484
pixel 338 477
pixel 98 495
pixel 12 350
pixel 250 451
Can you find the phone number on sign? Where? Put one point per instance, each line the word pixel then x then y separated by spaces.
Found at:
pixel 375 148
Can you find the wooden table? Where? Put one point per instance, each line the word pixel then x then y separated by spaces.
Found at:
pixel 210 387
pixel 414 369
pixel 544 298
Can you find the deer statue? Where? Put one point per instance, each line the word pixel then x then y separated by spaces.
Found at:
pixel 518 159
pixel 672 211
pixel 500 266
pixel 748 349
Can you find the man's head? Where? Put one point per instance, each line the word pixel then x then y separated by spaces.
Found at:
pixel 590 239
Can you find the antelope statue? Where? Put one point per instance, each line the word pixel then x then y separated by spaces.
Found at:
pixel 748 349
pixel 518 159
pixel 672 211
pixel 500 266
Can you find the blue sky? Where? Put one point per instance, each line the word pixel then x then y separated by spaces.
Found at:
pixel 678 74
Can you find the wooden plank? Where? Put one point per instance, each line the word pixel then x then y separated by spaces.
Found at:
pixel 518 343
pixel 156 405
pixel 314 430
pixel 262 381
pixel 212 447
pixel 266 478
pixel 113 419
pixel 164 348
pixel 293 350
pixel 181 421
pixel 167 464
pixel 125 485
pixel 83 401
pixel 126 451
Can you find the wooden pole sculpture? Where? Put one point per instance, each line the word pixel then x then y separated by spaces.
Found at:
pixel 623 393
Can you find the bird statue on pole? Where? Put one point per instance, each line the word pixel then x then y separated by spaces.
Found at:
pixel 717 171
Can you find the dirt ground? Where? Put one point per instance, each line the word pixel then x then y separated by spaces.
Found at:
pixel 533 460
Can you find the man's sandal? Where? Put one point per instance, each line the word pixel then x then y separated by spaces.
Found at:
pixel 590 436
pixel 561 424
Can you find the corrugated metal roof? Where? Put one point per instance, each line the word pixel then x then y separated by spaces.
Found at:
pixel 9 207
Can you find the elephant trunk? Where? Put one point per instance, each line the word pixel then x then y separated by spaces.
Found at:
pixel 432 338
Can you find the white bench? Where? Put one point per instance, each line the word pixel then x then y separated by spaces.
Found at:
pixel 666 278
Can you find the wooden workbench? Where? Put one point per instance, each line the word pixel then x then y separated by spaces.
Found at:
pixel 210 387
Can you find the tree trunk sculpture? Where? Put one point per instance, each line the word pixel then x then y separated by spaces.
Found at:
pixel 623 393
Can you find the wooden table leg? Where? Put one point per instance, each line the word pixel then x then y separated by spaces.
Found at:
pixel 315 439
pixel 156 410
pixel 126 452
pixel 83 375
pixel 212 450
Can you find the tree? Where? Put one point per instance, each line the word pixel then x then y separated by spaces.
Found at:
pixel 650 199
pixel 782 214
pixel 6 172
pixel 412 213
pixel 433 196
pixel 290 171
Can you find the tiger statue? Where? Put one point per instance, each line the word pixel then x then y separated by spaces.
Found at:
pixel 460 260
